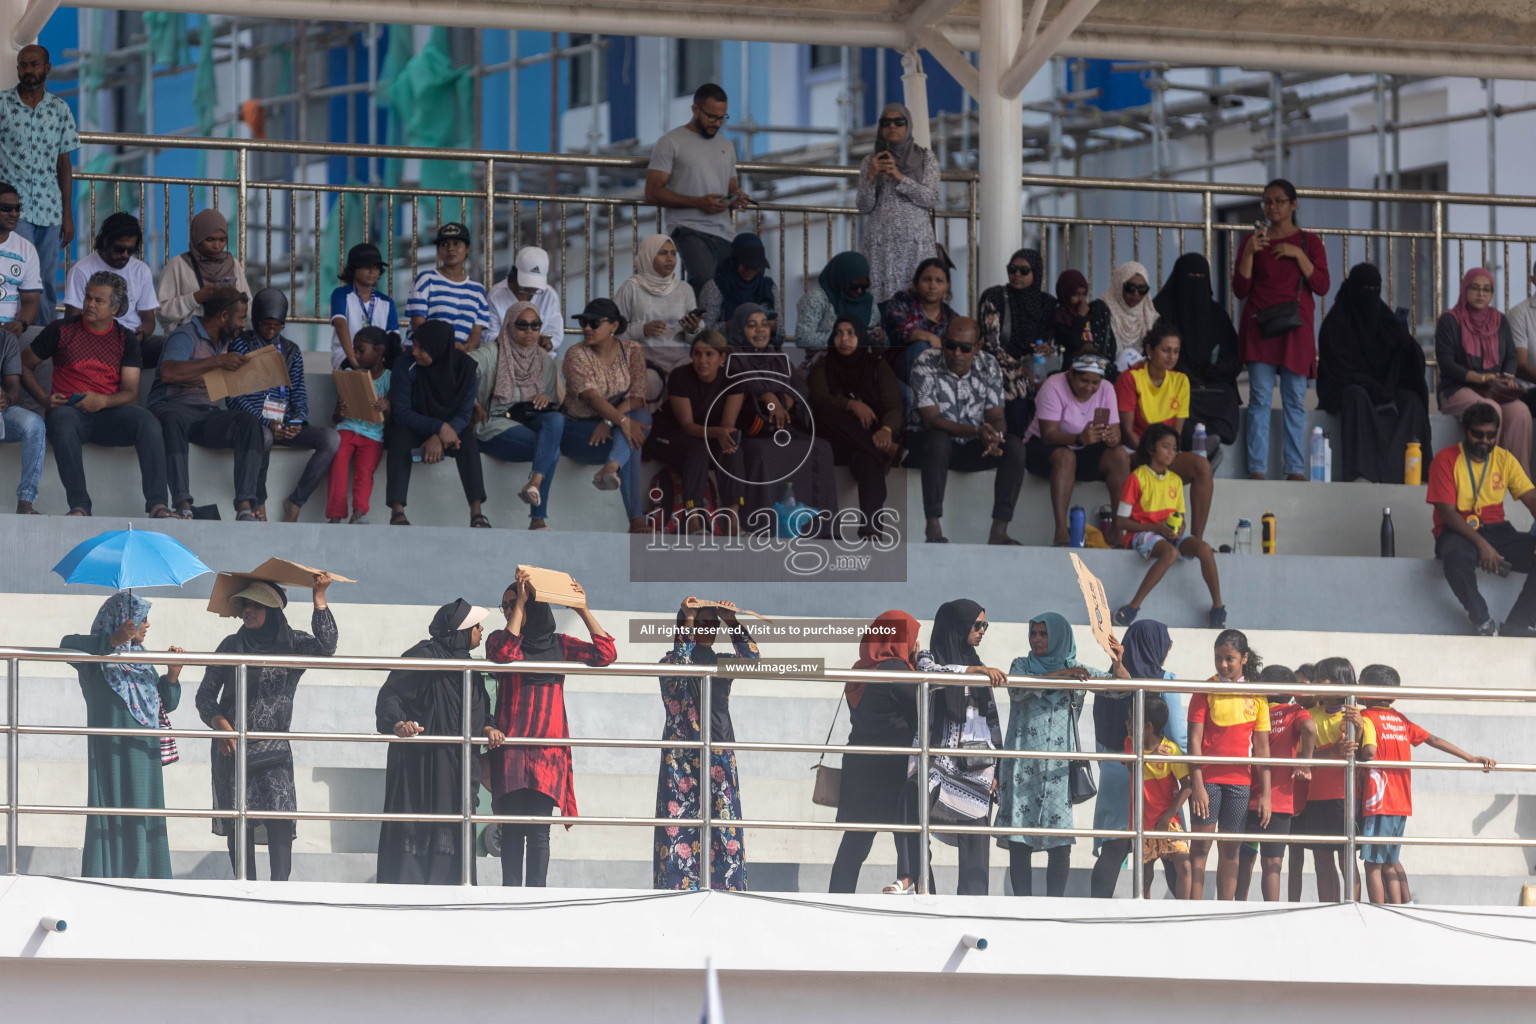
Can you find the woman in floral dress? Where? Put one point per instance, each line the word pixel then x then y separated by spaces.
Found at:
pixel 676 859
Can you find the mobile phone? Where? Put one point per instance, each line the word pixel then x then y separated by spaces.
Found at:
pixel 696 312
pixel 1261 228
pixel 76 398
pixel 1101 417
pixel 417 454
pixel 881 146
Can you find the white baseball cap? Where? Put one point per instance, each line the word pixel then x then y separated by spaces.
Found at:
pixel 532 265
pixel 473 617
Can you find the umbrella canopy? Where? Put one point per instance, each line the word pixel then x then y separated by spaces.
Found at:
pixel 125 559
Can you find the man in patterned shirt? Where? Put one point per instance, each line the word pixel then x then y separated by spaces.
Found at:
pixel 37 134
pixel 957 393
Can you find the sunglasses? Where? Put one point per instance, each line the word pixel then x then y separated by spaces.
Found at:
pixel 853 291
pixel 529 325
pixel 893 122
pixel 117 250
pixel 1020 268
pixel 979 627
pixel 1484 435
pixel 10 207
pixel 590 321
pixel 1136 289
pixel 958 346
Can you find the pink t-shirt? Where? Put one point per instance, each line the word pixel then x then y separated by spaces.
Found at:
pixel 1055 401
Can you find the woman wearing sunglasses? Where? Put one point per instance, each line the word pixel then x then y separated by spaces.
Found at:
pixel 841 289
pixel 898 189
pixel 1015 319
pixel 517 406
pixel 1131 313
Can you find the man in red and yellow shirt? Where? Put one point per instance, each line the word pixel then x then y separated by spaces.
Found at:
pixel 1467 484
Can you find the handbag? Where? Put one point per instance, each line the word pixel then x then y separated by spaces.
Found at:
pixel 975 736
pixel 261 755
pixel 829 780
pixel 1281 318
pixel 1079 773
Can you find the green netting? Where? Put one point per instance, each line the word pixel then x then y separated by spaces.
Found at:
pixel 393 96
pixel 168 38
pixel 107 194
pixel 332 246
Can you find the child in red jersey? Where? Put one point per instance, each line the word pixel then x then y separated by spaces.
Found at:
pixel 1300 787
pixel 1291 734
pixel 1165 786
pixel 1388 792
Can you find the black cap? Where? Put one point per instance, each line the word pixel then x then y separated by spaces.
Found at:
pixel 365 255
pixel 453 231
pixel 603 309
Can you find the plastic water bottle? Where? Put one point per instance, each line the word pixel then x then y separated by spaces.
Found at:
pixel 1078 526
pixel 1413 464
pixel 1037 364
pixel 1242 538
pixel 1327 459
pixel 1317 456
pixel 1197 441
pixel 1388 538
pixel 785 511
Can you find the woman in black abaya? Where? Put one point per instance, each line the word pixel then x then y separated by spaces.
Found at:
pixel 1208 355
pixel 424 778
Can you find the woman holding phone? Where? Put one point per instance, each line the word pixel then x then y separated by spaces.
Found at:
pixel 898 189
pixel 1075 437
pixel 662 312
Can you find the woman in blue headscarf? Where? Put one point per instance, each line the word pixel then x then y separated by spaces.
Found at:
pixel 1146 646
pixel 1034 793
pixel 124 771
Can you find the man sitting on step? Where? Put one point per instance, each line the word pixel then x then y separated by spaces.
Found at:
pixel 1467 483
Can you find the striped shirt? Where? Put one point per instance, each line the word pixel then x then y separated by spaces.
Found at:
pixel 461 303
pixel 295 397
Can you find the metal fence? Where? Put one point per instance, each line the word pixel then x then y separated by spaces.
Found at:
pixel 280 220
pixel 922 750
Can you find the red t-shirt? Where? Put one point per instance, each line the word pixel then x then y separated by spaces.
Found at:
pixel 84 361
pixel 1328 783
pixel 1160 781
pixel 1283 736
pixel 1390 790
pixel 1230 720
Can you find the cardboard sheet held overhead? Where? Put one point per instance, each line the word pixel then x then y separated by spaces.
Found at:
pixel 355 387
pixel 264 370
pixel 1098 604
pixel 274 570
pixel 699 602
pixel 554 587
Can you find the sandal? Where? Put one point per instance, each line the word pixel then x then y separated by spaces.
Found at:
pixel 897 889
pixel 529 494
pixel 245 515
pixel 24 508
pixel 398 519
pixel 479 522
pixel 161 512
pixel 77 511
pixel 606 481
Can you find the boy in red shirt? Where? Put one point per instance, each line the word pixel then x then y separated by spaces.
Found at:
pixel 1165 786
pixel 1388 798
pixel 1292 733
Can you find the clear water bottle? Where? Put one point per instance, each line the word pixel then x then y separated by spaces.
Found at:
pixel 1242 538
pixel 1197 441
pixel 1037 364
pixel 1388 536
pixel 1317 456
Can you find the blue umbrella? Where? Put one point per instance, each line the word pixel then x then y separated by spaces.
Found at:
pixel 124 559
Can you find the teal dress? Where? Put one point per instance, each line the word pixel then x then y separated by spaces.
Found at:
pixel 122 771
pixel 1032 792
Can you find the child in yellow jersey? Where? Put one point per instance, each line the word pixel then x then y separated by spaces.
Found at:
pixel 1151 519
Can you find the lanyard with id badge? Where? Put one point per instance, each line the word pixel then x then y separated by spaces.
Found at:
pixel 1474 520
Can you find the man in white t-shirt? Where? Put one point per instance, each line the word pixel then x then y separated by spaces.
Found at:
pixel 1522 326
pixel 528 281
pixel 21 281
pixel 692 175
pixel 117 240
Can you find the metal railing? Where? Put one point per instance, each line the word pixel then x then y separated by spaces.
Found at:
pixel 278 226
pixel 922 750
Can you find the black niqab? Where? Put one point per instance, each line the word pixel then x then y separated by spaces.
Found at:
pixel 1208 350
pixel 1363 342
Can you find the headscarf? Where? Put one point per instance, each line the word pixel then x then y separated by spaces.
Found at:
pixel 951 630
pixel 835 277
pixel 540 641
pixel 269 304
pixel 909 156
pixel 1362 342
pixel 438 390
pixel 1206 331
pixel 736 329
pixel 212 269
pixel 733 290
pixel 1130 323
pixel 1479 327
pixel 444 631
pixel 138 685
pixel 1146 643
pixel 275 635
pixel 1068 283
pixel 519 368
pixel 856 375
pixel 1031 312
pixel 1062 652
pixel 877 648
pixel 645 267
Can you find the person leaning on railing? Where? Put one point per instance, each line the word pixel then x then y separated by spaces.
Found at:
pixel 269 694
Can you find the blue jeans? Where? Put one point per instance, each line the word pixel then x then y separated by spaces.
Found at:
pixel 1293 404
pixel 44 238
pixel 575 443
pixel 538 442
pixel 26 427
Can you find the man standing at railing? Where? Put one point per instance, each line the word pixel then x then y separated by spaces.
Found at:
pixel 37 134
pixel 692 175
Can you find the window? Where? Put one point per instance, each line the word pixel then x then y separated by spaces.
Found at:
pixel 579 68
pixel 698 62
pixel 826 57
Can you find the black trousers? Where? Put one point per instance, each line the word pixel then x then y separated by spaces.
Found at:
pixel 183 425
pixel 279 853
pixel 853 446
pixel 1459 557
pixel 693 459
pixel 515 838
pixel 936 453
pixel 1058 868
pixel 121 426
pixel 974 850
pixel 398 442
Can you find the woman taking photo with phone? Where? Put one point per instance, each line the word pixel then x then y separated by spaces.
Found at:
pixel 898 189
pixel 661 310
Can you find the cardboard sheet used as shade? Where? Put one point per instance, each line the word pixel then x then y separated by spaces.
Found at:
pixel 699 602
pixel 263 370
pixel 554 587
pixel 1098 604
pixel 274 570
pixel 355 387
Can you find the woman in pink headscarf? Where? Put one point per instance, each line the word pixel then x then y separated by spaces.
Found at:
pixel 1476 352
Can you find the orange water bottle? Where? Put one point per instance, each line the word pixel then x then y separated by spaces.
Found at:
pixel 1413 464
pixel 1268 524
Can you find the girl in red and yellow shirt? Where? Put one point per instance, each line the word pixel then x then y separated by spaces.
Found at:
pixel 1155 392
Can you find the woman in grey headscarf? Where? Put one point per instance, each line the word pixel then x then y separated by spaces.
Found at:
pixel 898 189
